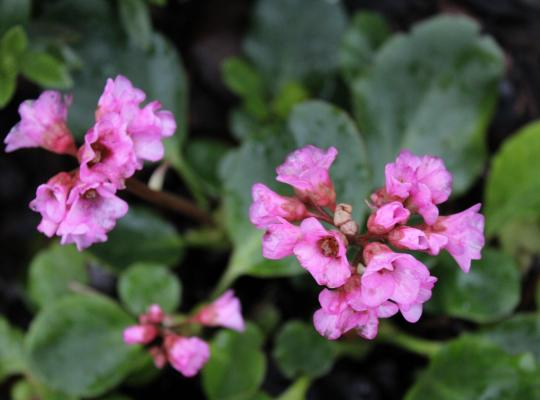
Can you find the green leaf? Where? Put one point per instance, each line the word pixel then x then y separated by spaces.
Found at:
pixel 472 369
pixel 11 352
pixel 25 390
pixel 290 40
pixel 366 33
pixel 517 335
pixel 8 83
pixel 204 156
pixel 287 97
pixel 521 239
pixel 513 187
pixel 297 391
pixel 323 125
pixel 45 70
pixel 14 42
pixel 140 236
pixel 490 291
pixel 136 21
pixel 75 345
pixel 14 12
pixel 432 91
pixel 52 271
pixel 237 365
pixel 144 284
pixel 300 350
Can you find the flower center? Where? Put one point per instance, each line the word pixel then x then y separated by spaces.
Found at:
pixel 101 153
pixel 329 246
pixel 90 194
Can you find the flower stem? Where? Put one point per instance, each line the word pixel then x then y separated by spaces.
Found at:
pixel 427 348
pixel 168 200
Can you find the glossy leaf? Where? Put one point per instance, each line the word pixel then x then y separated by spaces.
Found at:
pixel 513 188
pixel 472 369
pixel 490 291
pixel 11 350
pixel 75 345
pixel 144 284
pixel 140 236
pixel 299 350
pixel 45 70
pixel 52 271
pixel 135 19
pixel 431 91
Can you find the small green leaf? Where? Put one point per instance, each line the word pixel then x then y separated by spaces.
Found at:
pixel 513 188
pixel 297 391
pixel 45 70
pixel 490 291
pixel 323 125
pixel 237 365
pixel 300 350
pixel 143 284
pixel 14 12
pixel 26 390
pixel 432 91
pixel 14 42
pixel 75 345
pixel 287 97
pixel 52 271
pixel 366 33
pixel 8 83
pixel 11 351
pixel 136 21
pixel 473 369
pixel 140 236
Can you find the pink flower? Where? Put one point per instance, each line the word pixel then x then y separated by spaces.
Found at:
pixel 93 211
pixel 51 202
pixel 43 124
pixel 140 334
pixel 280 239
pixel 323 254
pixel 387 216
pixel 118 94
pixel 465 234
pixel 425 181
pixel 107 153
pixel 397 277
pixel 187 354
pixel 306 170
pixel 268 206
pixel 406 237
pixel 226 311
pixel 154 315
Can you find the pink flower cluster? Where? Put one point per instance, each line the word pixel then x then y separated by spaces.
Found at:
pixel 379 282
pixel 186 353
pixel 81 206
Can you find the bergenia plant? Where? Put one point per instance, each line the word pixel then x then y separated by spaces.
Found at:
pixel 370 273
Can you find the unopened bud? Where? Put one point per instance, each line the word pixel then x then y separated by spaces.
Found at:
pixel 349 228
pixel 360 268
pixel 343 214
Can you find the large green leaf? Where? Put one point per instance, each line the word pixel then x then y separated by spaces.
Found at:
pixel 300 350
pixel 295 40
pixel 140 236
pixel 473 369
pixel 135 19
pixel 513 186
pixel 432 91
pixel 490 291
pixel 45 70
pixel 11 352
pixel 323 125
pixel 53 270
pixel 144 284
pixel 26 390
pixel 75 345
pixel 236 367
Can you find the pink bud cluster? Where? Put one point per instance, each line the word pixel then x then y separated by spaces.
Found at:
pixel 174 344
pixel 81 206
pixel 379 281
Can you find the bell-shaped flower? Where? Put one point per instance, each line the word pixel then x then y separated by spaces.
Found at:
pixel 140 334
pixel 280 239
pixel 268 206
pixel 225 311
pixel 386 217
pixel 186 354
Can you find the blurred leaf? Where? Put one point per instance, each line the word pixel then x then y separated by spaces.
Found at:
pixel 14 42
pixel 366 33
pixel 204 156
pixel 12 45
pixel 300 350
pixel 14 12
pixel 246 82
pixel 136 21
pixel 517 335
pixel 432 91
pixel 11 352
pixel 287 97
pixel 24 390
pixel 45 70
pixel 260 396
pixel 115 397
pixel 521 239
pixel 297 391
pixel 51 272
pixel 75 345
pixel 237 365
pixel 472 369
pixel 513 186
pixel 144 284
pixel 490 291
pixel 242 125
pixel 8 82
pixel 323 125
pixel 140 236
pixel 291 40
